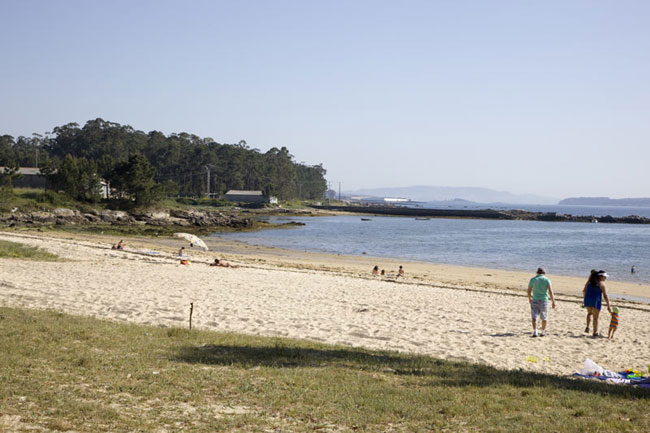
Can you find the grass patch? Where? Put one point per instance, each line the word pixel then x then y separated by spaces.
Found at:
pixel 62 372
pixel 28 200
pixel 14 250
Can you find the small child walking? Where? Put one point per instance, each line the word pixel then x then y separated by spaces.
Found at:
pixel 613 324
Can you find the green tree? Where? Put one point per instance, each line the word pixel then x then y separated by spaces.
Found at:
pixel 7 175
pixel 178 157
pixel 280 173
pixel 310 181
pixel 134 180
pixel 6 150
pixel 77 177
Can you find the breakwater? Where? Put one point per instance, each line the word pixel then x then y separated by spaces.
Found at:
pixel 514 214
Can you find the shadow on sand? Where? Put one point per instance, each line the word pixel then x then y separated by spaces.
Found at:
pixel 442 373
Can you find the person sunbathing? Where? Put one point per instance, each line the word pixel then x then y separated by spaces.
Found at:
pixel 222 264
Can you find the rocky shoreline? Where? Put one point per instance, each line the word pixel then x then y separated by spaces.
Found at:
pixel 167 218
pixel 484 214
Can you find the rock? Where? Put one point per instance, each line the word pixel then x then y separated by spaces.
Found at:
pixel 158 215
pixel 92 218
pixel 41 218
pixel 64 212
pixel 111 216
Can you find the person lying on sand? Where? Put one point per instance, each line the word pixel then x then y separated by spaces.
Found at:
pixel 223 264
pixel 119 245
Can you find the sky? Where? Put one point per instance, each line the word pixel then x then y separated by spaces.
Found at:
pixel 548 97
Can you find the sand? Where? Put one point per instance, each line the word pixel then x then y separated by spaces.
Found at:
pixel 454 313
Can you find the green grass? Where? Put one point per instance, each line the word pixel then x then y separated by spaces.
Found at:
pixel 14 250
pixel 62 372
pixel 28 200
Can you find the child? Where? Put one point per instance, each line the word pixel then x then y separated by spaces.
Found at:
pixel 613 324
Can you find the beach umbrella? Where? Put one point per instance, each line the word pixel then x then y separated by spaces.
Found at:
pixel 193 239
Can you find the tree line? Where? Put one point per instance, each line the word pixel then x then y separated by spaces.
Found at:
pixel 143 167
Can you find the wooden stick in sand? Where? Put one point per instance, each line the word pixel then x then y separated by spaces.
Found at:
pixel 191 310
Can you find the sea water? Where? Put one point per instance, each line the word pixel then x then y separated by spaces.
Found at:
pixel 596 211
pixel 565 248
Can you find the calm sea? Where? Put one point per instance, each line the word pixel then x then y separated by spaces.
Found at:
pixel 597 211
pixel 563 248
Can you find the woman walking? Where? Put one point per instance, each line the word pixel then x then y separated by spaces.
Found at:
pixel 594 291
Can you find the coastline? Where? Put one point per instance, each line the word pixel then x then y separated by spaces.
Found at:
pixel 509 214
pixel 470 314
pixel 425 272
pixel 439 274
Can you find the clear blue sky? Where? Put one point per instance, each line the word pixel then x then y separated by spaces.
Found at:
pixel 546 97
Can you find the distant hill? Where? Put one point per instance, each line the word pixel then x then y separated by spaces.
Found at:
pixel 447 193
pixel 606 201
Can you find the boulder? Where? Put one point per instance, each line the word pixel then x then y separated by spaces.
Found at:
pixel 92 218
pixel 63 212
pixel 158 215
pixel 40 218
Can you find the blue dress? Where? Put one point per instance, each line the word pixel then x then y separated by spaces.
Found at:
pixel 594 296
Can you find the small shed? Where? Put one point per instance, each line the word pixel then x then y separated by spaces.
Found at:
pixel 31 178
pixel 246 196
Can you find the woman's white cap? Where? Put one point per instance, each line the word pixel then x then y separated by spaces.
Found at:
pixel 603 274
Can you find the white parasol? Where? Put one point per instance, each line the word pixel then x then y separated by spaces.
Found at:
pixel 193 239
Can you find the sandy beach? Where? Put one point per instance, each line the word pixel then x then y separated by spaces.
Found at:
pixel 471 314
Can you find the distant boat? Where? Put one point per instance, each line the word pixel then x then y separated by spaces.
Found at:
pixel 422 218
pixel 366 219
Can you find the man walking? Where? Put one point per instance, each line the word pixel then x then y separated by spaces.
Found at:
pixel 540 289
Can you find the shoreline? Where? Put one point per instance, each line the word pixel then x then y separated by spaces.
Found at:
pixel 436 273
pixel 452 313
pixel 510 214
pixel 440 274
pixel 630 290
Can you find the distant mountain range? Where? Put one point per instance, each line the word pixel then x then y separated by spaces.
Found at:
pixel 606 201
pixel 446 193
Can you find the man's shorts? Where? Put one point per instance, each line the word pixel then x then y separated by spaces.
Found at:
pixel 539 308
